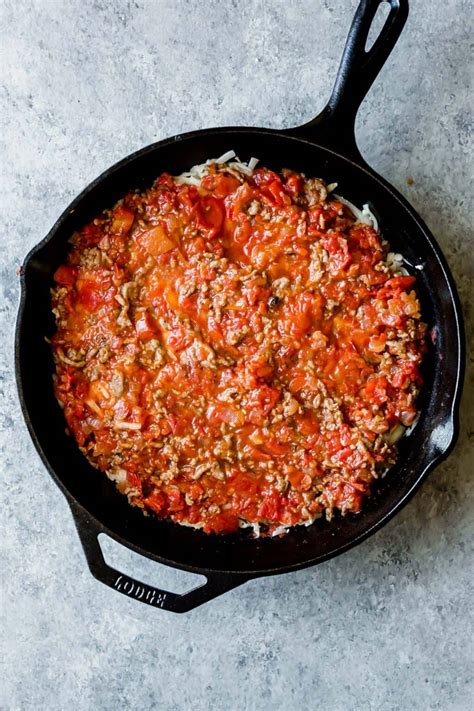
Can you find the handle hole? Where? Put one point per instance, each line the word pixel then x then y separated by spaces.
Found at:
pixel 378 23
pixel 146 570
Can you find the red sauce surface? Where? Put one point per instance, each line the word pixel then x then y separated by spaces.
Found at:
pixel 237 351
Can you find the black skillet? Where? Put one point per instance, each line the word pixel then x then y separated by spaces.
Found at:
pixel 325 147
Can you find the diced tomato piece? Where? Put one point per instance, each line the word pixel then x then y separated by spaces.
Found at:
pixel 400 283
pixel 123 219
pixel 406 373
pixel 276 194
pixel 308 424
pixel 263 176
pixel 91 233
pixel 270 507
pixel 225 522
pixel 243 484
pixel 178 423
pixel 66 276
pixel 367 239
pixel 274 447
pixel 210 215
pixel 196 246
pixel 299 480
pixel 376 390
pixel 221 185
pixel 260 402
pixel 187 196
pixel 243 232
pixel 344 454
pixel 134 480
pixel 339 251
pixel 166 180
pixel 165 427
pixel 175 499
pixel 178 338
pixel 75 425
pixel 155 241
pixel 145 327
pixel 91 295
pixel 196 490
pixel 264 371
pixel 156 502
pixel 297 317
pixel 243 195
pixel 294 184
pixel 297 383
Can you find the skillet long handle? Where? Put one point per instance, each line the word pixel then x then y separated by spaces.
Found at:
pixel 215 585
pixel 334 127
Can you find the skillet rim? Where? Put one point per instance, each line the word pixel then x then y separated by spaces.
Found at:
pixel 451 418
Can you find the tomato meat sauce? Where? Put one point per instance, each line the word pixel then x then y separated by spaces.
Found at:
pixel 234 347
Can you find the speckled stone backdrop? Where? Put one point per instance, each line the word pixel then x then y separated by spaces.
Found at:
pixel 384 627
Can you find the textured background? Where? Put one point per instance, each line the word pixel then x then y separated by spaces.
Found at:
pixel 383 627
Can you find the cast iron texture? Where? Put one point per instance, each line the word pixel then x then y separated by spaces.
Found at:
pixel 325 147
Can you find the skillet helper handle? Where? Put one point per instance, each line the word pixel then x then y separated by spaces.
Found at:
pixel 335 125
pixel 172 602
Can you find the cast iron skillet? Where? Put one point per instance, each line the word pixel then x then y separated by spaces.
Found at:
pixel 326 148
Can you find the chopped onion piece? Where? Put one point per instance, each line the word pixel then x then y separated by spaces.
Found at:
pixel 122 425
pixel 118 475
pixel 395 434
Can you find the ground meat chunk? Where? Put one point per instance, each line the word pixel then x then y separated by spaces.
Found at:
pixel 315 192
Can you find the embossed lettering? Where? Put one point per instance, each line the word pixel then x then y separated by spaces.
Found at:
pixel 140 591
pixel 128 587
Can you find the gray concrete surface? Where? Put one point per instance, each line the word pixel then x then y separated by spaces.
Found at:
pixel 85 82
